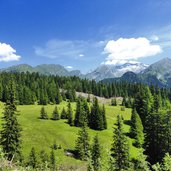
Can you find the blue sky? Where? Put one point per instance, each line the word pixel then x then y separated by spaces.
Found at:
pixel 84 33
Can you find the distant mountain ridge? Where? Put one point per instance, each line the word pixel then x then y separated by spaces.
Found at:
pixel 160 69
pixel 45 69
pixel 131 77
pixel 113 71
pixel 158 73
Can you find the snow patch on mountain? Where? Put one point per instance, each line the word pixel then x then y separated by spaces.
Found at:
pixel 113 71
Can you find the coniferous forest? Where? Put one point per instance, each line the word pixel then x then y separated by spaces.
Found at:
pixel 139 138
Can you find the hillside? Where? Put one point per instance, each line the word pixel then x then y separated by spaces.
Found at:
pixel 114 104
pixel 41 134
pixel 160 69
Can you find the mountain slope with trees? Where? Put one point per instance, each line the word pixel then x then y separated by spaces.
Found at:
pixel 51 114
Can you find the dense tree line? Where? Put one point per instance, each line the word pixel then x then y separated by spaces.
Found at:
pixel 33 87
pixel 154 110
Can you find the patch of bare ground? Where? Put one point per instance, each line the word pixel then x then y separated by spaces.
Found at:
pixel 101 100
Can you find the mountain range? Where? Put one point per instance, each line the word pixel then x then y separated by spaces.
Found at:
pixel 44 69
pixel 158 73
pixel 113 71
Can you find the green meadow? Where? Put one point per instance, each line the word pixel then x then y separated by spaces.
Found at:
pixel 42 134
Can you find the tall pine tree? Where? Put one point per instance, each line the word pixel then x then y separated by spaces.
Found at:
pixel 55 114
pixel 63 114
pixel 82 143
pixel 120 148
pixel 11 130
pixel 52 161
pixel 96 154
pixel 43 113
pixel 136 130
pixel 32 161
pixel 69 114
pixel 97 118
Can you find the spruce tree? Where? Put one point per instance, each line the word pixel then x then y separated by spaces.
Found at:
pixel 97 119
pixel 55 114
pixel 78 113
pixel 124 101
pixel 86 112
pixel 96 154
pixel 141 163
pixel 120 148
pixel 63 95
pixel 52 161
pixel 51 90
pixel 44 159
pixel 104 118
pixel 136 130
pixel 32 161
pixel 164 165
pixel 58 97
pixel 82 112
pixel 157 102
pixel 11 130
pixel 155 141
pixel 167 132
pixel 128 103
pixel 167 162
pixel 90 162
pixel 69 114
pixel 82 143
pixel 63 114
pixel 43 113
pixel 43 99
pixel 143 103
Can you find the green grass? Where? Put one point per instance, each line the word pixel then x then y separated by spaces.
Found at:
pixel 42 133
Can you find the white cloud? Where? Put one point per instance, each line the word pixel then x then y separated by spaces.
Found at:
pixel 7 53
pixel 58 48
pixel 124 49
pixel 154 38
pixel 69 67
pixel 70 49
pixel 81 55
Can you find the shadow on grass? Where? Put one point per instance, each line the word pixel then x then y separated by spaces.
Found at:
pixel 127 122
pixel 128 134
pixel 43 118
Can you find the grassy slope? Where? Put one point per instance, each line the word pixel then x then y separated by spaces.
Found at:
pixel 42 133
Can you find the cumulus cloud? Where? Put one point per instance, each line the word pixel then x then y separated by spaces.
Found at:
pixel 124 49
pixel 7 53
